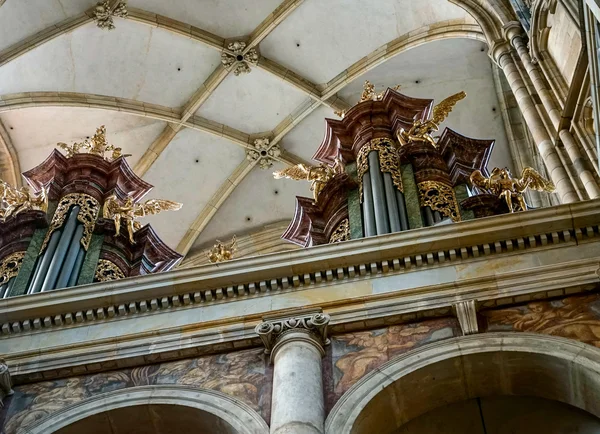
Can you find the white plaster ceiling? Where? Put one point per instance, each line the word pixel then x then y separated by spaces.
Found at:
pixel 160 65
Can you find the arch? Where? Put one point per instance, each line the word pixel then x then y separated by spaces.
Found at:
pixel 490 18
pixel 442 373
pixel 239 415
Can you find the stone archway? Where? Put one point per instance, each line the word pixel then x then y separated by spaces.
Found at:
pixel 231 415
pixel 459 369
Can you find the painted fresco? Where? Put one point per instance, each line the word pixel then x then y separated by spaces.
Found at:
pixel 245 375
pixel 576 317
pixel 353 355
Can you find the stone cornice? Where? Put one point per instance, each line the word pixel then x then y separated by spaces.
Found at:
pixel 368 282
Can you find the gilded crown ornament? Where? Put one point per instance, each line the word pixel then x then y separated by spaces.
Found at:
pixel 104 13
pixel 221 252
pixel 16 200
pixel 421 131
pixel 97 145
pixel 319 175
pixel 128 212
pixel 502 184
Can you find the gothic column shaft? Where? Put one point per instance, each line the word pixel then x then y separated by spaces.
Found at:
pixel 538 80
pixel 555 168
pixel 580 164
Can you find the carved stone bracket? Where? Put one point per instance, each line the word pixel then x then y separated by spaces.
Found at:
pixel 263 152
pixel 104 14
pixel 236 59
pixel 466 312
pixel 440 197
pixel 311 325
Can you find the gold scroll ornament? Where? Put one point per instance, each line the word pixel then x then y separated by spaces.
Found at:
pixel 88 212
pixel 341 233
pixel 440 197
pixel 10 266
pixel 107 270
pixel 389 161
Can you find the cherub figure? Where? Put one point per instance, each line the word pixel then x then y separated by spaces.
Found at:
pixel 221 252
pixel 421 130
pixel 15 200
pixel 318 175
pixel 128 212
pixel 502 184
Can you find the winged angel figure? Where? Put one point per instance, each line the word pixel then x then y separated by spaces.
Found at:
pixel 128 212
pixel 318 175
pixel 15 200
pixel 421 131
pixel 502 184
pixel 222 252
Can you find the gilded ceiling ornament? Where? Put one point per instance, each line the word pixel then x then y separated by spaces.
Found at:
pixel 15 200
pixel 128 212
pixel 88 213
pixel 107 270
pixel 421 131
pixel 439 197
pixel 97 145
pixel 318 175
pixel 341 233
pixel 235 58
pixel 221 252
pixel 263 152
pixel 502 184
pixel 389 161
pixel 10 265
pixel 104 14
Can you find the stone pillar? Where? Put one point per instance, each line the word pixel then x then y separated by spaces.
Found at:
pixel 295 344
pixel 514 34
pixel 557 172
pixel 580 164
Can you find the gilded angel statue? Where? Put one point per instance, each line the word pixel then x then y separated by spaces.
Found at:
pixel 128 212
pixel 421 131
pixel 318 175
pixel 97 145
pixel 15 200
pixel 502 184
pixel 222 252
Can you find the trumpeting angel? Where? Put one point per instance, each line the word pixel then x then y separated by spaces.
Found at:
pixel 317 175
pixel 502 184
pixel 15 200
pixel 421 130
pixel 128 212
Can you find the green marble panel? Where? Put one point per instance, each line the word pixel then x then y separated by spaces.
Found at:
pixel 355 215
pixel 352 171
pixel 461 194
pixel 411 197
pixel 20 285
pixel 88 269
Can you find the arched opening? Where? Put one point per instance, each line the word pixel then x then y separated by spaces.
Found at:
pixel 155 410
pixel 150 419
pixel 474 372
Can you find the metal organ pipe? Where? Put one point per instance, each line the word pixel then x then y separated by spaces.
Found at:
pixel 379 201
pixel 368 209
pixel 70 258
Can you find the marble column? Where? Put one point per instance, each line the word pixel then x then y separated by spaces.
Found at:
pixel 295 344
pixel 557 172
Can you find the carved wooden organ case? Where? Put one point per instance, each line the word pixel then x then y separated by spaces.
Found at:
pixel 388 187
pixel 71 244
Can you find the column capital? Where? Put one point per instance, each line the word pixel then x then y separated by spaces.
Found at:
pixel 498 49
pixel 5 381
pixel 512 30
pixel 307 325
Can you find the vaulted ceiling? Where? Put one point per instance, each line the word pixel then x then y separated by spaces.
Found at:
pixel 157 82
